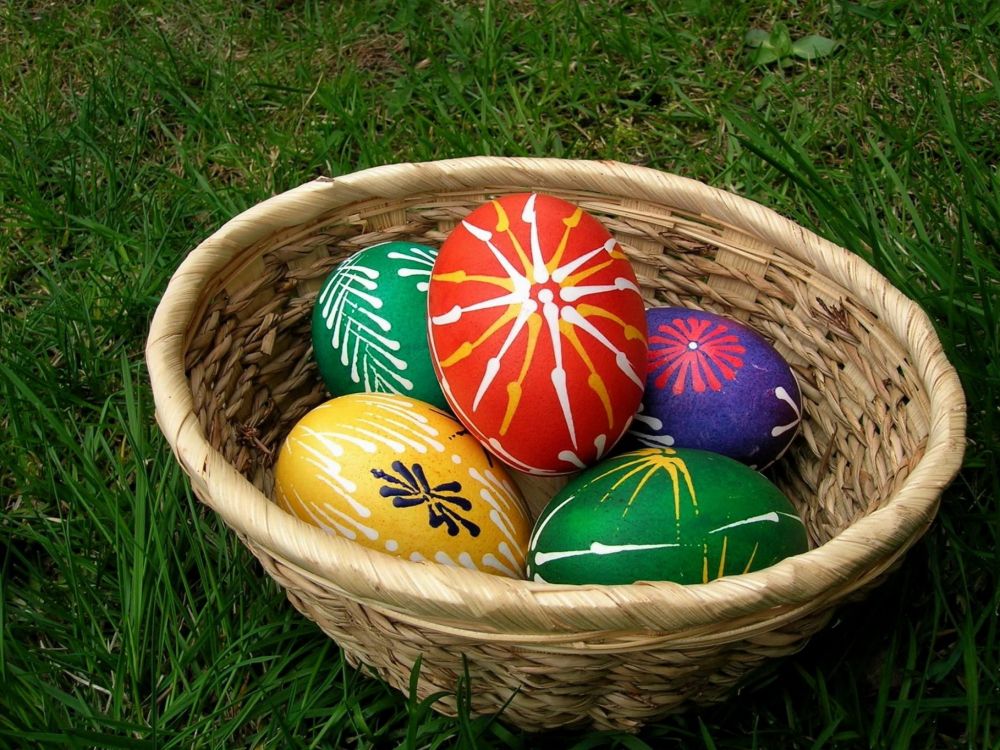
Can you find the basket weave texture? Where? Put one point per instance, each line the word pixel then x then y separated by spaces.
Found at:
pixel 882 435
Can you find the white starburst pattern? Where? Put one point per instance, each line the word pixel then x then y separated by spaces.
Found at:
pixel 541 296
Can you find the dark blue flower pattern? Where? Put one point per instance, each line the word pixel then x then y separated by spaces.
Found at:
pixel 408 487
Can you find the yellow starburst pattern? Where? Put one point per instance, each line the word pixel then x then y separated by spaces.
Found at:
pixel 646 464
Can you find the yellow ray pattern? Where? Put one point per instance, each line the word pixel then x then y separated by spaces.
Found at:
pixel 722 557
pixel 752 556
pixel 631 332
pixel 468 347
pixel 595 381
pixel 579 276
pixel 652 458
pixel 722 560
pixel 570 223
pixel 503 225
pixel 458 277
pixel 516 387
pixel 635 492
pixel 617 253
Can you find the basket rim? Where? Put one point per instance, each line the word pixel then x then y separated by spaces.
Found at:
pixel 492 606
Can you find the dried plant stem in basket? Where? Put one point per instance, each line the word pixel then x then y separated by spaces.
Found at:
pixel 882 435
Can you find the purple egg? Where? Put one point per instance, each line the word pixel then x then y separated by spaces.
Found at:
pixel 715 384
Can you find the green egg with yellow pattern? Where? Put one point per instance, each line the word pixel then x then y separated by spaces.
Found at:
pixel 663 514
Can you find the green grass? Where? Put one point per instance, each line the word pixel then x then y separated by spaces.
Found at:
pixel 132 618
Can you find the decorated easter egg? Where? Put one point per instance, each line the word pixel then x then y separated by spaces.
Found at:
pixel 660 514
pixel 537 332
pixel 715 384
pixel 403 477
pixel 369 324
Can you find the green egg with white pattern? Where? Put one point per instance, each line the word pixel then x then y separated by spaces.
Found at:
pixel 663 514
pixel 369 324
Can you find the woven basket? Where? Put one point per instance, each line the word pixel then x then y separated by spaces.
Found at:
pixel 883 433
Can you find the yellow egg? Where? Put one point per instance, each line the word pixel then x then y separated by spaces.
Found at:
pixel 400 476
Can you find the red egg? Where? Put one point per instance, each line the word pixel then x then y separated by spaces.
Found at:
pixel 537 332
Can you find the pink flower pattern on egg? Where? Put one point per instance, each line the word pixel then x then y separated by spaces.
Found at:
pixel 715 384
pixel 699 348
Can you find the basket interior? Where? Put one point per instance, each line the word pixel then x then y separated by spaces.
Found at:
pixel 865 421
